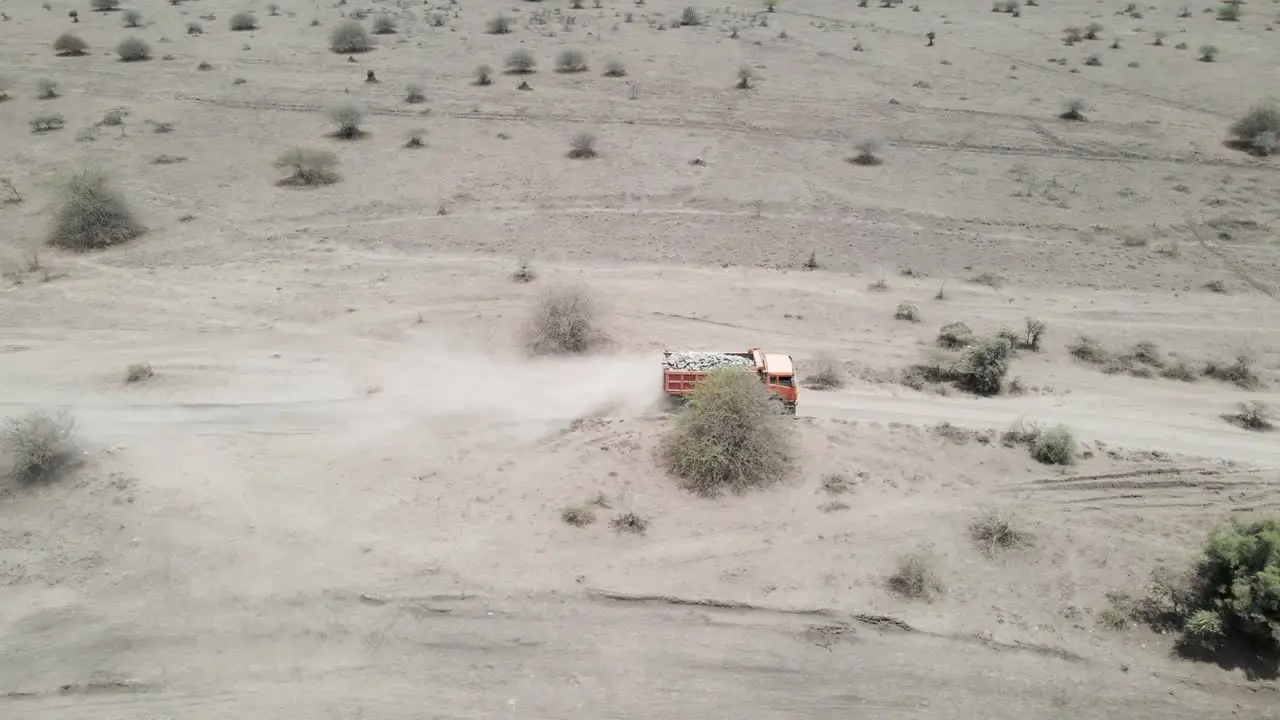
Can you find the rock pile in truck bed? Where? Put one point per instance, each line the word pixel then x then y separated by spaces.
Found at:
pixel 691 361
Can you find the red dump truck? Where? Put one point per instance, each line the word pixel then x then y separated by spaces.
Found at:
pixel 682 369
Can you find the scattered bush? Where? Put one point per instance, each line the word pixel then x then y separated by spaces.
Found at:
pixel 89 214
pixel 1179 370
pixel 955 335
pixel 384 24
pixel 46 89
pixel 415 93
pixel 1094 60
pixel 47 123
pixel 630 523
pixel 1091 30
pixel 499 25
pixel 1252 415
pixel 1258 129
pixel 690 16
pixel 1239 372
pixel 578 515
pixel 564 322
pixel 244 21
pixel 826 373
pixel 524 273
pixel 347 117
pixel 438 19
pixel 521 61
pixel 349 36
pixel 195 28
pixel 1208 53
pixel 984 366
pixel 309 167
pixel 1088 350
pixel 583 146
pixel 1160 35
pixel 1239 581
pixel 1054 446
pixel 1229 12
pixel 614 68
pixel 745 76
pixel 38 446
pixel 731 436
pixel 571 60
pixel 104 5
pixel 995 530
pixel 68 44
pixel 133 50
pixel 138 372
pixel 415 141
pixel 867 150
pixel 1074 109
pixel 908 312
pixel 132 18
pixel 1032 334
pixel 484 75
pixel 917 577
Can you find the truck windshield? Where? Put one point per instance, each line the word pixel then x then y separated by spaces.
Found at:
pixel 783 380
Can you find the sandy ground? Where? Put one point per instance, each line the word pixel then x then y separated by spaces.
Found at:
pixel 340 495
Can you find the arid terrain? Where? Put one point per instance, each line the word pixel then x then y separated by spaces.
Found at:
pixel 340 495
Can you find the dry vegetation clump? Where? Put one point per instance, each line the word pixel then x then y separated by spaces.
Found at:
pixel 347 117
pixel 521 62
pixel 349 36
pixel 690 16
pixel 89 214
pixel 1208 53
pixel 745 76
pixel 995 530
pixel 866 152
pixel 415 140
pixel 983 367
pixel 571 60
pixel 499 25
pixel 484 75
pixel 438 19
pixel 578 515
pixel 565 321
pixel 1252 415
pixel 243 21
pixel 47 123
pixel 133 50
pixel 1238 372
pixel 195 28
pixel 524 273
pixel 104 5
pixel 629 523
pixel 583 146
pixel 1229 11
pixel 46 89
pixel 384 24
pixel 826 373
pixel 955 335
pixel 1074 109
pixel 731 436
pixel 68 45
pixel 1054 446
pixel 138 372
pixel 917 577
pixel 614 68
pixel 1091 30
pixel 37 446
pixel 907 312
pixel 1259 130
pixel 308 167
pixel 415 93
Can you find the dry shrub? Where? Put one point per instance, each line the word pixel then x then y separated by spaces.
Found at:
pixel 47 123
pixel 137 372
pixel 955 335
pixel 104 5
pixel 1074 109
pixel 983 367
pixel 996 529
pixel 37 446
pixel 745 76
pixel 484 75
pixel 309 167
pixel 571 60
pixel 917 577
pixel 349 36
pixel 583 146
pixel 384 25
pixel 826 373
pixel 615 68
pixel 133 50
pixel 1054 446
pixel 1239 372
pixel 866 152
pixel 46 89
pixel 524 273
pixel 499 25
pixel 1259 130
pixel 244 21
pixel 71 45
pixel 347 117
pixel 88 213
pixel 908 312
pixel 578 515
pixel 521 61
pixel 415 93
pixel 630 523
pixel 1252 415
pixel 731 436
pixel 564 322
pixel 690 16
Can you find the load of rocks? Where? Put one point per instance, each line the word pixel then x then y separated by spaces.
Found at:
pixel 692 361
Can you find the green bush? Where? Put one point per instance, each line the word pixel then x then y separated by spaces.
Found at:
pixel 955 335
pixel 1239 579
pixel 731 436
pixel 1055 446
pixel 983 367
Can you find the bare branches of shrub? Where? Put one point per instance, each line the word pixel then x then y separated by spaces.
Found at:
pixel 571 60
pixel 917 577
pixel 825 372
pixel 484 75
pixel 565 321
pixel 89 214
pixel 347 117
pixel 997 529
pixel 499 25
pixel 1074 109
pixel 37 446
pixel 730 437
pixel 1252 415
pixel 309 167
pixel 384 24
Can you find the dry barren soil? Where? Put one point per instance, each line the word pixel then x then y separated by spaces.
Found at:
pixel 340 495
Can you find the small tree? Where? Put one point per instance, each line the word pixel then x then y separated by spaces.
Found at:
pixel 499 25
pixel 38 445
pixel 1239 577
pixel 244 21
pixel 571 60
pixel 69 45
pixel 132 18
pixel 89 214
pixel 347 117
pixel 133 50
pixel 984 366
pixel 349 36
pixel 731 437
pixel 565 321
pixel 308 167
pixel 521 61
pixel 384 24
pixel 583 146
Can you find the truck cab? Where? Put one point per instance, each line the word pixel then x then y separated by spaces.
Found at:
pixel 778 373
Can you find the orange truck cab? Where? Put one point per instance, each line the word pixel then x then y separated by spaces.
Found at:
pixel 775 370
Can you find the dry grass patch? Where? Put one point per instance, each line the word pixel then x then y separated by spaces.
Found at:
pixel 308 167
pixel 347 117
pixel 1252 415
pixel 731 436
pixel 825 373
pixel 907 312
pixel 89 214
pixel 499 25
pixel 629 523
pixel 37 446
pixel 138 372
pixel 917 577
pixel 578 515
pixel 565 321
pixel 996 530
pixel 524 273
pixel 1239 372
pixel 47 122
